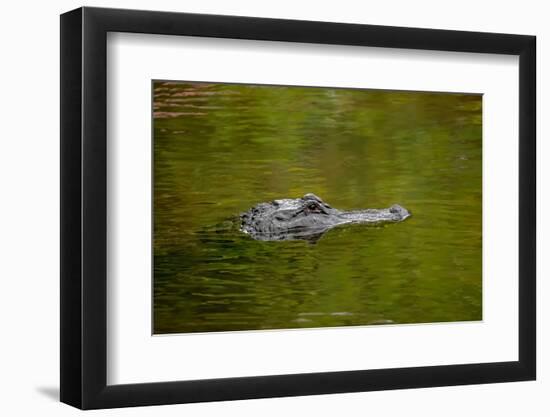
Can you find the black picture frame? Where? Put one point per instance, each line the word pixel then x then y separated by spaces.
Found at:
pixel 84 207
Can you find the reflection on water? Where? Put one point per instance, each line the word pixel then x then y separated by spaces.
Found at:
pixel 220 149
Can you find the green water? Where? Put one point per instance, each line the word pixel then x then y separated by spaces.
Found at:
pixel 220 149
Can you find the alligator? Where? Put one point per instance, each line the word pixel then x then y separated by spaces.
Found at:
pixel 308 218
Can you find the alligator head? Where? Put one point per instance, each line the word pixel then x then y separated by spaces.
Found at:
pixel 308 218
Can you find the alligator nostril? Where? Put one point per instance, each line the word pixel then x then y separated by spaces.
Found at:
pixel 397 209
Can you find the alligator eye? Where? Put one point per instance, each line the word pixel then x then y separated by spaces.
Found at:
pixel 313 207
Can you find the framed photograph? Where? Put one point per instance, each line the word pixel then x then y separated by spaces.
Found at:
pixel 258 208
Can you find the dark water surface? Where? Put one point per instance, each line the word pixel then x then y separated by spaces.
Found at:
pixel 220 149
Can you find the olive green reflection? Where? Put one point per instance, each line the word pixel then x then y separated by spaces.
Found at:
pixel 220 149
